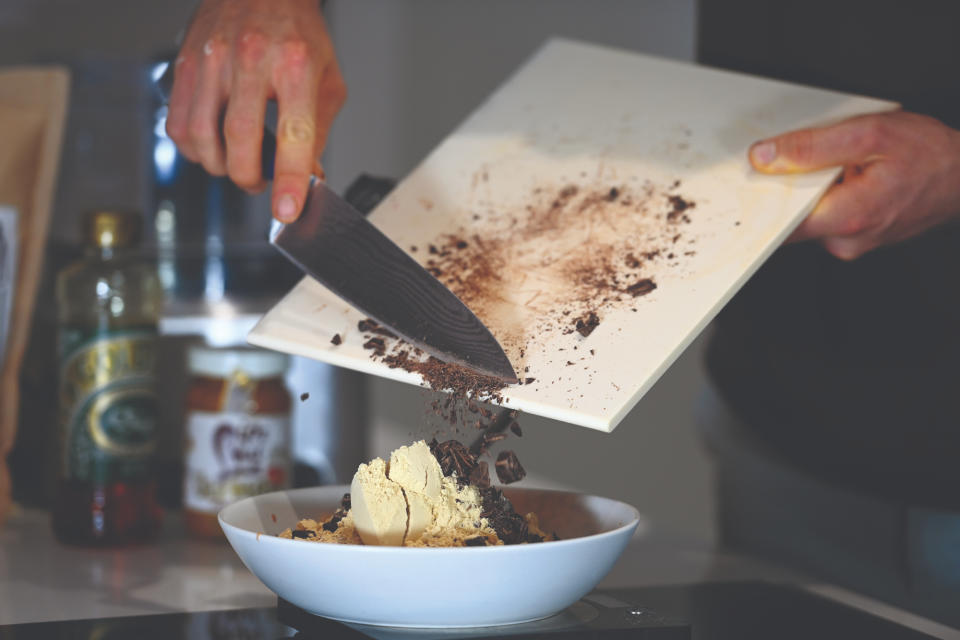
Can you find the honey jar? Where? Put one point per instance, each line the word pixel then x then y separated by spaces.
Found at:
pixel 237 431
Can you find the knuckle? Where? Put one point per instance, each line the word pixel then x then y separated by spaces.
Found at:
pixel 295 54
pixel 296 128
pixel 240 127
pixel 215 49
pixel 200 131
pixel 251 48
pixel 176 128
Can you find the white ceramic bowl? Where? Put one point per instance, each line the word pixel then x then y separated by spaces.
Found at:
pixel 433 587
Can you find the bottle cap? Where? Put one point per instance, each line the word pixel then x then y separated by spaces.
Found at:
pixel 110 229
pixel 257 364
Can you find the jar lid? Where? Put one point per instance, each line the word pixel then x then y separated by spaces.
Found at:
pixel 222 363
pixel 111 229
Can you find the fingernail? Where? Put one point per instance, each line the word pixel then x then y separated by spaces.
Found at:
pixel 286 208
pixel 763 153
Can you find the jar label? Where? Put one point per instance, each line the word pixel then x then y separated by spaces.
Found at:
pixel 108 405
pixel 234 455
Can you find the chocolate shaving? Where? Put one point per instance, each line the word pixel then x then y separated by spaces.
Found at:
pixel 336 340
pixel 515 427
pixel 508 467
pixel 587 324
pixel 454 458
pixel 529 380
pixel 369 326
pixel 376 345
pixel 679 206
pixel 641 287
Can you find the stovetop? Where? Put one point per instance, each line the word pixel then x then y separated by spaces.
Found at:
pixel 713 611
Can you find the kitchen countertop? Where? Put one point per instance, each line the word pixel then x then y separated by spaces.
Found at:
pixel 43 580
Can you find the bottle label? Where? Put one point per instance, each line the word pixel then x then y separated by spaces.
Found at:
pixel 232 455
pixel 108 405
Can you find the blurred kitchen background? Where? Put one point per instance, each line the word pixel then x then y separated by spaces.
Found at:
pixel 210 239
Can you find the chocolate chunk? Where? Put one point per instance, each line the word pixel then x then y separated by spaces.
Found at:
pixel 336 340
pixel 509 468
pixel 461 244
pixel 480 476
pixel 529 380
pixel 515 427
pixel 478 541
pixel 345 502
pixel 587 324
pixel 304 396
pixel 641 287
pixel 613 194
pixel 376 345
pixel 510 526
pixel 302 534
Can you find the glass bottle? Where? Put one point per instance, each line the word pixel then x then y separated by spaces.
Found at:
pixel 108 308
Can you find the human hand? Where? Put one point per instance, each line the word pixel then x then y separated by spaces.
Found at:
pixel 237 55
pixel 901 176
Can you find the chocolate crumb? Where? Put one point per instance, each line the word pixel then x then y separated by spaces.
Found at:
pixel 515 427
pixel 587 324
pixel 413 249
pixel 508 467
pixel 613 194
pixel 304 396
pixel 529 380
pixel 302 534
pixel 478 541
pixel 336 340
pixel 641 287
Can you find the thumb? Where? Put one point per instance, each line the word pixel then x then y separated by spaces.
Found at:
pixel 852 141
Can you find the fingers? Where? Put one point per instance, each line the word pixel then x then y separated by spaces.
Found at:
pixel 178 109
pixel 847 219
pixel 856 140
pixel 246 110
pixel 297 88
pixel 203 125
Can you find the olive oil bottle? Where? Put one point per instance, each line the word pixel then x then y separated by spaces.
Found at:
pixel 108 307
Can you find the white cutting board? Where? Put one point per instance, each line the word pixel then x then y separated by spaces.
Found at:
pixel 594 118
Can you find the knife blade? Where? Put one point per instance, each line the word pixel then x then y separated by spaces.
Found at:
pixel 336 245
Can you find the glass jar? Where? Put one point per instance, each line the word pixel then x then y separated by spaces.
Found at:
pixel 108 304
pixel 237 431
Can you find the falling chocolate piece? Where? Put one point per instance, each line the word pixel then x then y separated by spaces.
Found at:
pixel 587 324
pixel 304 396
pixel 480 476
pixel 508 467
pixel 336 340
pixel 515 427
pixel 641 287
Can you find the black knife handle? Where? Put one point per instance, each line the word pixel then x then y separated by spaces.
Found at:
pixel 268 148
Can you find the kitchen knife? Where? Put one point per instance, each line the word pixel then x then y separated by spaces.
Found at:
pixel 341 249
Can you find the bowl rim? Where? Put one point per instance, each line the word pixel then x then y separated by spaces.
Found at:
pixel 633 522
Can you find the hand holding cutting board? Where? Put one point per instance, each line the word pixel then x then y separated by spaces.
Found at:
pixel 901 177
